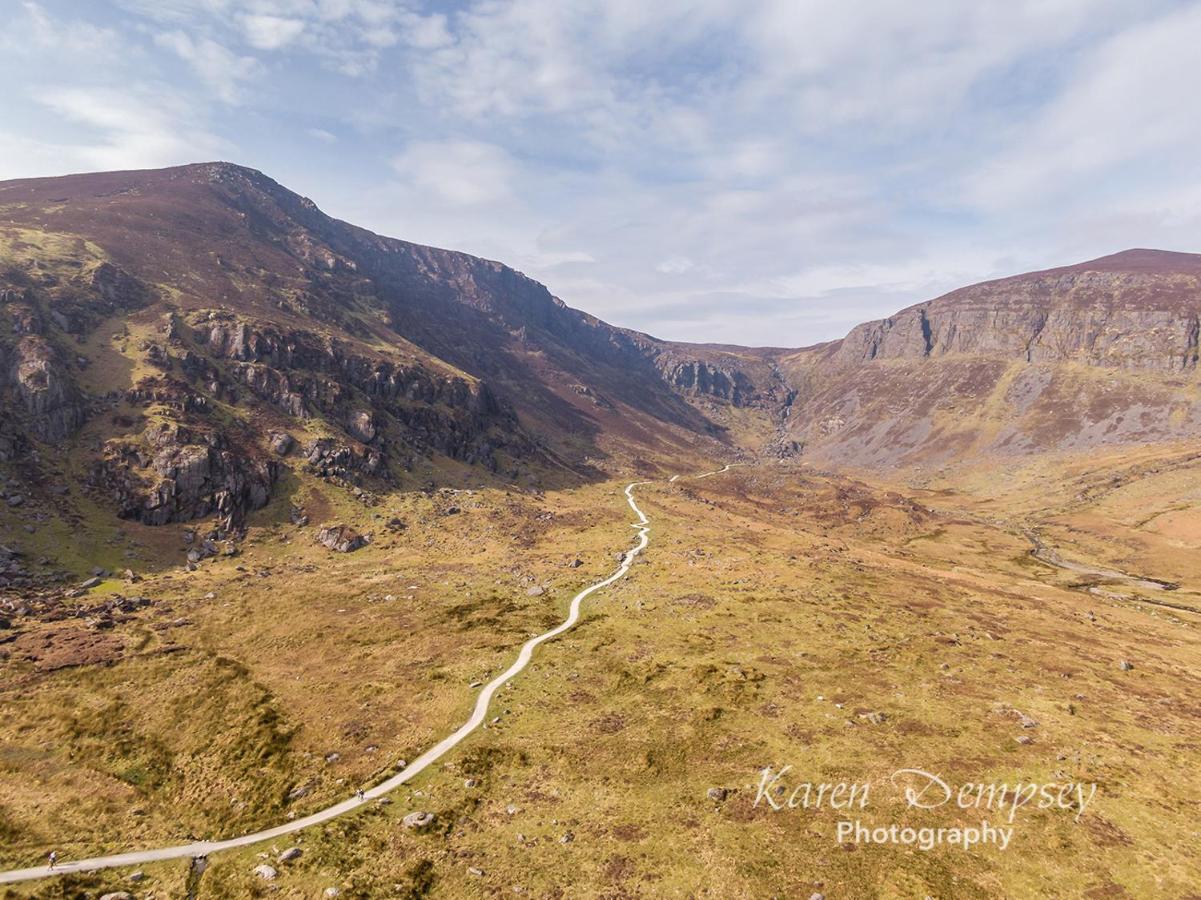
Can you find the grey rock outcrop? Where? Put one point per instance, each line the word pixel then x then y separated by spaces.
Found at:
pixel 341 538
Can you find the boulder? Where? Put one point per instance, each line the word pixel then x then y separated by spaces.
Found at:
pixel 418 821
pixel 266 872
pixel 341 538
pixel 362 426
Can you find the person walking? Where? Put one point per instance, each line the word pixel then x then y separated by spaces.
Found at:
pixel 53 858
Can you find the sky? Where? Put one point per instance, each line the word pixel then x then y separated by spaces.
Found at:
pixel 764 172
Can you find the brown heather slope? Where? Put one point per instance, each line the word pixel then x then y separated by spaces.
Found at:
pixel 165 333
pixel 180 340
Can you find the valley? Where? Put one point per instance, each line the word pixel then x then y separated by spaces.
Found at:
pixel 284 501
pixel 779 616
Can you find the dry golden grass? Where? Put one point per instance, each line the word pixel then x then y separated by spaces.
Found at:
pixel 773 614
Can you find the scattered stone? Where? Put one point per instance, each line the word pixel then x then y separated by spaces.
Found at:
pixel 290 854
pixel 333 757
pixel 266 872
pixel 717 794
pixel 512 810
pixel 89 584
pixel 470 783
pixel 341 538
pixel 16 500
pixel 99 571
pixel 817 896
pixel 567 838
pixel 1025 739
pixel 472 870
pixel 575 563
pixel 331 892
pixel 117 895
pixel 1027 722
pixel 136 877
pixel 417 821
pixel 282 443
pixel 401 763
pixel 536 591
pixel 1126 665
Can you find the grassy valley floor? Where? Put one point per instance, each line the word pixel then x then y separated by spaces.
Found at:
pixel 780 617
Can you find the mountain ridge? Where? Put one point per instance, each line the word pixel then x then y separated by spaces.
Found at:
pixel 244 319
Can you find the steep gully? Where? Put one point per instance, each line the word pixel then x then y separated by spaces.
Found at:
pixel 203 849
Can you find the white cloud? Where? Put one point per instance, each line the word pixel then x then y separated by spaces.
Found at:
pixel 675 265
pixel 271 32
pixel 46 33
pixel 1129 102
pixel 130 129
pixel 461 173
pixel 426 32
pixel 327 137
pixel 220 68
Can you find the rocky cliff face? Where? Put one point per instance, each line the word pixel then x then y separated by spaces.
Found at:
pixel 53 404
pixel 176 474
pixel 1096 354
pixel 395 344
pixel 1118 313
pixel 198 330
pixel 189 410
pixel 374 400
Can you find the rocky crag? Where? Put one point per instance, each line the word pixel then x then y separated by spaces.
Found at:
pixel 181 338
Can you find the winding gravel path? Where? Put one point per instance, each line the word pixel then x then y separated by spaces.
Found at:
pixel 420 764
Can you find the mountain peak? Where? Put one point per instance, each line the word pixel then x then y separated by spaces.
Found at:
pixel 1140 259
